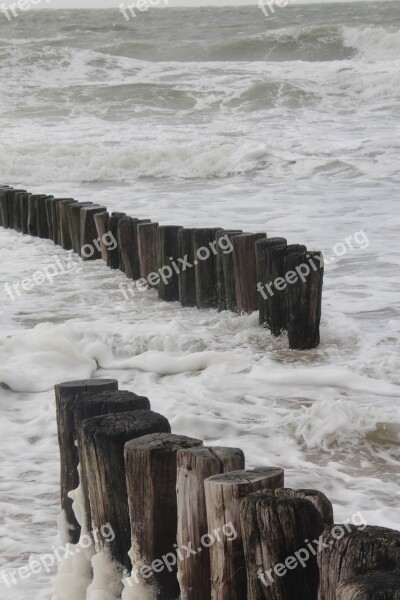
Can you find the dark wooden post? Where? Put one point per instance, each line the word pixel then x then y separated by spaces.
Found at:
pixel 350 550
pixel 74 217
pixel 262 249
pixel 94 405
pixel 41 215
pixel 167 262
pixel 55 216
pixel 114 255
pixel 224 246
pixel 320 501
pixel 278 536
pixel 103 454
pixel 194 466
pixel 33 214
pixel 245 270
pixel 375 586
pixel 4 207
pixel 24 201
pixel 17 210
pixel 187 276
pixel 11 197
pixel 101 220
pixel 223 496
pixel 129 245
pixel 304 297
pixel 229 275
pixel 89 244
pixel 205 261
pixel 147 244
pixel 65 231
pixel 67 395
pixel 151 472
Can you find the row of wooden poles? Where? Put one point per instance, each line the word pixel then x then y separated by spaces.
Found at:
pixel 225 281
pixel 161 492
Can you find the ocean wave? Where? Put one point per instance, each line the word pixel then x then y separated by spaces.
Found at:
pixel 374 43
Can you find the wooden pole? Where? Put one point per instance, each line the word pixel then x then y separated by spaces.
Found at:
pixel 114 256
pixel 89 245
pixel 17 211
pixel 262 248
pixel 41 215
pixel 147 245
pixel 187 276
pixel 167 262
pixel 223 495
pixel 151 473
pixel 304 297
pixel 276 533
pixel 129 246
pixel 11 197
pixel 94 405
pixel 223 247
pixel 194 466
pixel 320 501
pixel 65 232
pixel 67 395
pixel 205 261
pixel 33 214
pixel 103 454
pixel 74 217
pixel 229 275
pixel 245 271
pixel 55 216
pixel 3 207
pixel 375 586
pixel 349 551
pixel 101 220
pixel 24 201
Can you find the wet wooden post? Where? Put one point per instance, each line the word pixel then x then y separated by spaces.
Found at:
pixel 194 466
pixel 41 215
pixel 95 405
pixel 114 255
pixel 3 206
pixel 229 275
pixel 148 245
pixel 262 248
pixel 129 245
pixel 55 216
pixel 223 495
pixel 24 201
pixel 245 270
pixel 65 231
pixel 18 211
pixel 67 395
pixel 74 217
pixel 205 261
pixel 167 262
pixel 11 198
pixel 319 499
pixel 103 454
pixel 280 564
pixel 101 220
pixel 304 297
pixel 384 585
pixel 90 248
pixel 350 551
pixel 224 246
pixel 33 214
pixel 151 473
pixel 187 276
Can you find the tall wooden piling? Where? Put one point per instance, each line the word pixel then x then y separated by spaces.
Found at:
pixel 129 246
pixel 65 231
pixel 224 247
pixel 67 395
pixel 41 216
pixel 205 261
pixel 95 405
pixel 104 438
pixel 167 262
pixel 194 466
pixel 101 221
pixel 320 501
pixel 114 254
pixel 223 496
pixel 151 472
pixel 229 274
pixel 74 217
pixel 89 246
pixel 148 249
pixel 262 248
pixel 280 564
pixel 304 297
pixel 245 271
pixel 187 276
pixel 384 585
pixel 24 203
pixel 17 225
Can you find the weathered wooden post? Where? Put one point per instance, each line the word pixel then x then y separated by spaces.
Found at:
pixel 194 466
pixel 65 231
pixel 151 472
pixel 384 585
pixel 147 244
pixel 223 495
pixel 279 541
pixel 205 261
pixel 229 274
pixel 304 297
pixel 320 501
pixel 17 210
pixel 3 207
pixel 74 217
pixel 186 276
pixel 89 246
pixel 33 214
pixel 114 255
pixel 55 216
pixel 245 270
pixel 103 454
pixel 224 246
pixel 350 550
pixel 101 220
pixel 11 196
pixel 24 201
pixel 129 246
pixel 262 248
pixel 67 395
pixel 167 257
pixel 94 405
pixel 41 215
